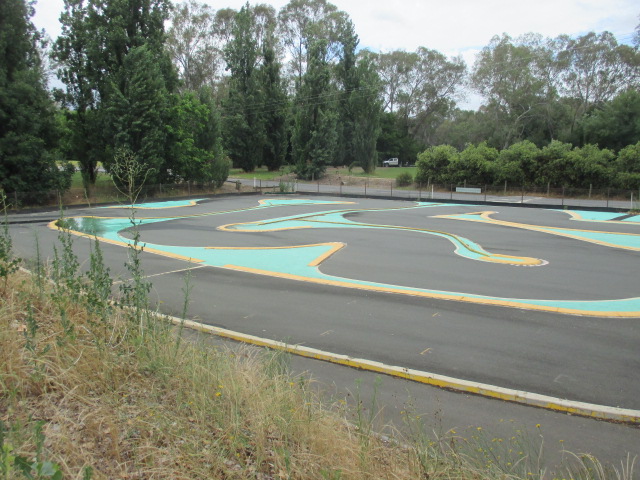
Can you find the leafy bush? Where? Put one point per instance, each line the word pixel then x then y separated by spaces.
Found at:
pixel 433 164
pixel 219 171
pixel 404 179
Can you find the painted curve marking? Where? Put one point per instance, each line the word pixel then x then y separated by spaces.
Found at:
pixel 626 241
pixel 601 217
pixel 160 205
pixel 301 263
pixel 336 219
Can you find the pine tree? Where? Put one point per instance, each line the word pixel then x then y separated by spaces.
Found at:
pixel 27 115
pixel 115 67
pixel 195 126
pixel 137 109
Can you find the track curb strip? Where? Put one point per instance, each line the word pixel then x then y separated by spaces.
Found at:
pixel 590 410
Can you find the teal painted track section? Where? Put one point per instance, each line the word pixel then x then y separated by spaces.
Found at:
pixel 298 262
pixel 336 219
pixel 160 205
pixel 604 216
pixel 620 240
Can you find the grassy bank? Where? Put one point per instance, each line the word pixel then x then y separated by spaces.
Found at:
pixel 123 397
pixel 92 389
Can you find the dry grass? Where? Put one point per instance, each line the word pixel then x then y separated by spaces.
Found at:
pixel 149 408
pixel 117 402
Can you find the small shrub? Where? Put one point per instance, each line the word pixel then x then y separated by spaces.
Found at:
pixel 404 179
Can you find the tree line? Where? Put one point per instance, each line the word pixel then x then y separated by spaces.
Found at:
pixel 523 163
pixel 259 87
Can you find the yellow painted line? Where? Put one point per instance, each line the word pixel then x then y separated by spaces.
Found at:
pixel 486 218
pixel 579 218
pixel 177 217
pixel 438 296
pixel 575 216
pixel 321 258
pixel 338 283
pixel 600 412
pixel 227 228
pixel 493 258
pixel 309 217
pixel 191 203
pixel 296 203
pixel 336 246
pixel 141 247
pixel 511 260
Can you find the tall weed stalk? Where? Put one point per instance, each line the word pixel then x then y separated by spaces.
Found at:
pixel 134 293
pixel 8 263
pixel 98 292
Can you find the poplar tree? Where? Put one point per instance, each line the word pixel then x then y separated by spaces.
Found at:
pixel 314 139
pixel 275 107
pixel 243 124
pixel 360 105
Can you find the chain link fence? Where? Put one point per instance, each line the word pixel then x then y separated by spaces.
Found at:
pixel 106 194
pixel 547 197
pixel 348 186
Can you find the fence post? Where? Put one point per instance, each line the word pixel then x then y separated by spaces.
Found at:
pixel 590 188
pixel 607 197
pixel 522 196
pixel 485 193
pixel 451 191
pixel 318 186
pixel 563 196
pixel 340 187
pixel 392 188
pixel 365 189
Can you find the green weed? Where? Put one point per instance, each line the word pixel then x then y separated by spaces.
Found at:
pixel 8 263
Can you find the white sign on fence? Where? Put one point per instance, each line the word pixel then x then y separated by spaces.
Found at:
pixel 468 190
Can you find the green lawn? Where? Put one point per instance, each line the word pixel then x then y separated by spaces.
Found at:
pixel 380 172
pixel 259 174
pixel 102 180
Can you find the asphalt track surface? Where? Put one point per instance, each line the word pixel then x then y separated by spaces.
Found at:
pixel 592 357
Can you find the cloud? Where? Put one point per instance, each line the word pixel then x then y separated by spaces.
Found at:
pixel 450 26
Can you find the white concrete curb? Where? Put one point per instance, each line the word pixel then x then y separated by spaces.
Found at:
pixel 600 412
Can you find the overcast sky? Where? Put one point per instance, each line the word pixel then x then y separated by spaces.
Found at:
pixel 453 27
pixel 450 26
